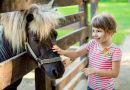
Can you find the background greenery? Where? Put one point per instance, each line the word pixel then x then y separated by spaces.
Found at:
pixel 120 10
pixel 114 0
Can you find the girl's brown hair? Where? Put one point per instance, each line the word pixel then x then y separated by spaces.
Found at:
pixel 104 21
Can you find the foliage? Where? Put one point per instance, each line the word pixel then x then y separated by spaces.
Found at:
pixel 63 32
pixel 120 10
pixel 114 0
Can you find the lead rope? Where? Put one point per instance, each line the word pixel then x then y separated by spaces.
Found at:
pixel 32 53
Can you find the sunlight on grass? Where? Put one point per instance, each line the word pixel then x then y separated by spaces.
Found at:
pixel 69 9
pixel 63 32
pixel 121 12
pixel 118 37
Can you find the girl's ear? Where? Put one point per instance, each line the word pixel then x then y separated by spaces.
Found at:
pixel 111 32
pixel 29 17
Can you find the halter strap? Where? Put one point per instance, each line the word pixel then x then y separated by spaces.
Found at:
pixel 40 61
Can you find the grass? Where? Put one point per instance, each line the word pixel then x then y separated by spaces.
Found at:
pixel 63 32
pixel 69 9
pixel 121 12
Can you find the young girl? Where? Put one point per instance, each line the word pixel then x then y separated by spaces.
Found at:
pixel 104 55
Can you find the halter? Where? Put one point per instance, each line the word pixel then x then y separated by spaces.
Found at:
pixel 40 61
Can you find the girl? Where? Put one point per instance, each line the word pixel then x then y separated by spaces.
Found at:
pixel 104 56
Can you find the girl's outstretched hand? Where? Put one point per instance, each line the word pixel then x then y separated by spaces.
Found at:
pixel 57 49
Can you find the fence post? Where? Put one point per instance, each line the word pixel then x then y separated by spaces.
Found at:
pixel 42 81
pixel 84 21
pixel 94 9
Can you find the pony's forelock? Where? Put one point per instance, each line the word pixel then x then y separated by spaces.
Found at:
pixel 44 21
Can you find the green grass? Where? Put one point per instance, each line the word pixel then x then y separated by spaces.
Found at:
pixel 63 32
pixel 68 9
pixel 121 12
pixel 114 0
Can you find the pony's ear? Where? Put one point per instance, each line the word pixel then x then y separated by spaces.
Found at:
pixel 29 17
pixel 51 3
pixel 55 33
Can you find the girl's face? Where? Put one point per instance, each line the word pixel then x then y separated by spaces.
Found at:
pixel 100 36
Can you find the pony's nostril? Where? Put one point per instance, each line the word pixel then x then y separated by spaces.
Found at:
pixel 55 73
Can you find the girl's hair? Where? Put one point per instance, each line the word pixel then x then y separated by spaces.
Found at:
pixel 104 21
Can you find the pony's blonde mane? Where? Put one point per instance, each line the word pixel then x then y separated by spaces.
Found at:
pixel 14 23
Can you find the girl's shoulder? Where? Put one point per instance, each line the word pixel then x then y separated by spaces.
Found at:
pixel 115 48
pixel 115 52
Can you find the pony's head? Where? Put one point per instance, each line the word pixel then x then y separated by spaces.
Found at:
pixel 35 26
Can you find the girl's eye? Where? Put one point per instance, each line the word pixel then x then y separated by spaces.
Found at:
pixel 99 31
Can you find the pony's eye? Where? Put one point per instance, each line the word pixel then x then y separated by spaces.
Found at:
pixel 35 39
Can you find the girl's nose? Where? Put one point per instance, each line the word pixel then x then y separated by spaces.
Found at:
pixel 95 35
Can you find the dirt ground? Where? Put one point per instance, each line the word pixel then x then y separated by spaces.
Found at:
pixel 123 80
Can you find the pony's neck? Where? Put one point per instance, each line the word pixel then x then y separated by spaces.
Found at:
pixel 6 51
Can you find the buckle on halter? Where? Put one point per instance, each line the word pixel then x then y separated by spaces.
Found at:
pixel 39 62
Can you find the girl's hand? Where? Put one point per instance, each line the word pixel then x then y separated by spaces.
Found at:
pixel 57 49
pixel 89 71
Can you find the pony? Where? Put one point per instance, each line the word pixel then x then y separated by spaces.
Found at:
pixel 33 30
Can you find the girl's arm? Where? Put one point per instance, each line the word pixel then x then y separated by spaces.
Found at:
pixel 106 73
pixel 72 54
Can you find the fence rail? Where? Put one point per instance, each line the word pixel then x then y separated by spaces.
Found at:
pixel 18 66
pixel 70 19
pixel 73 37
pixel 14 5
pixel 71 74
pixel 15 68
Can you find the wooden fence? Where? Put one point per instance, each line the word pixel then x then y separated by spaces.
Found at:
pixel 18 66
